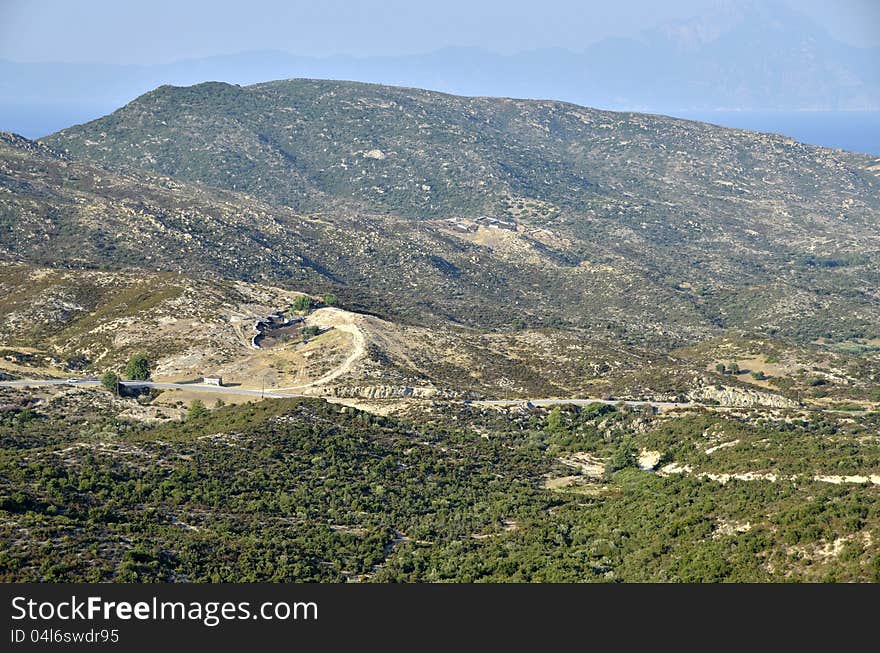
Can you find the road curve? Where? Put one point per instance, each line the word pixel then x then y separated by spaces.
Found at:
pixel 340 321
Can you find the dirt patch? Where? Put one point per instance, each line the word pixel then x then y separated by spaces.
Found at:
pixel 342 322
pixel 759 364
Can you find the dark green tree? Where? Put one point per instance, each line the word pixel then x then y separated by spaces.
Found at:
pixel 301 304
pixel 138 368
pixel 196 410
pixel 554 419
pixel 623 457
pixel 110 381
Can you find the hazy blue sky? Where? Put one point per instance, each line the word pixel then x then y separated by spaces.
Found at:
pixel 118 31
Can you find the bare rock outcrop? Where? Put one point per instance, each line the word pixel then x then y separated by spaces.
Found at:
pixel 393 392
pixel 740 397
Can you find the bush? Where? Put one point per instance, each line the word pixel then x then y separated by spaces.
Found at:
pixel 311 331
pixel 623 457
pixel 76 362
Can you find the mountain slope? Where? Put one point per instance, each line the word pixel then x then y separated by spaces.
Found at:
pixel 62 212
pixel 545 209
pixel 422 154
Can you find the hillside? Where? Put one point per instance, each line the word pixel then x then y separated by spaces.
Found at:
pixel 294 490
pixel 542 343
pixel 61 322
pixel 65 213
pixel 666 228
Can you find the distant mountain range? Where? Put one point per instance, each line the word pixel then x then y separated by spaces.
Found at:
pixel 757 57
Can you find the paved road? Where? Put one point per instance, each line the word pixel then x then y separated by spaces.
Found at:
pixel 583 402
pixel 197 387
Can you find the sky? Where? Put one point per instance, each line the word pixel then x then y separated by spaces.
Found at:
pixel 162 31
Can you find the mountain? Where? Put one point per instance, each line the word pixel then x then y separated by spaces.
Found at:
pixel 491 211
pixel 759 56
pixel 66 213
pixel 744 56
pixel 718 289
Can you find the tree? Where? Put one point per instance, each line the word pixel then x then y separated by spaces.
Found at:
pixel 623 457
pixel 311 331
pixel 759 375
pixel 734 368
pixel 301 304
pixel 720 368
pixel 110 381
pixel 330 299
pixel 554 419
pixel 196 410
pixel 138 368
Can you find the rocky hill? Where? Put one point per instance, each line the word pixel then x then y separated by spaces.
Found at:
pixel 495 213
pixel 478 248
pixel 632 221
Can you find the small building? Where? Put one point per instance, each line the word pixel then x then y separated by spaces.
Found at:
pixel 213 380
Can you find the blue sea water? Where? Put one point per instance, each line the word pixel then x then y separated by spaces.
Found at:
pixel 857 131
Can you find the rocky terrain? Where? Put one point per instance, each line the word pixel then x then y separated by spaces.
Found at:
pixel 402 255
pixel 494 211
pixel 481 246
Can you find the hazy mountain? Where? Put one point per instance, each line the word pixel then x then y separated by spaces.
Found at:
pixel 756 57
